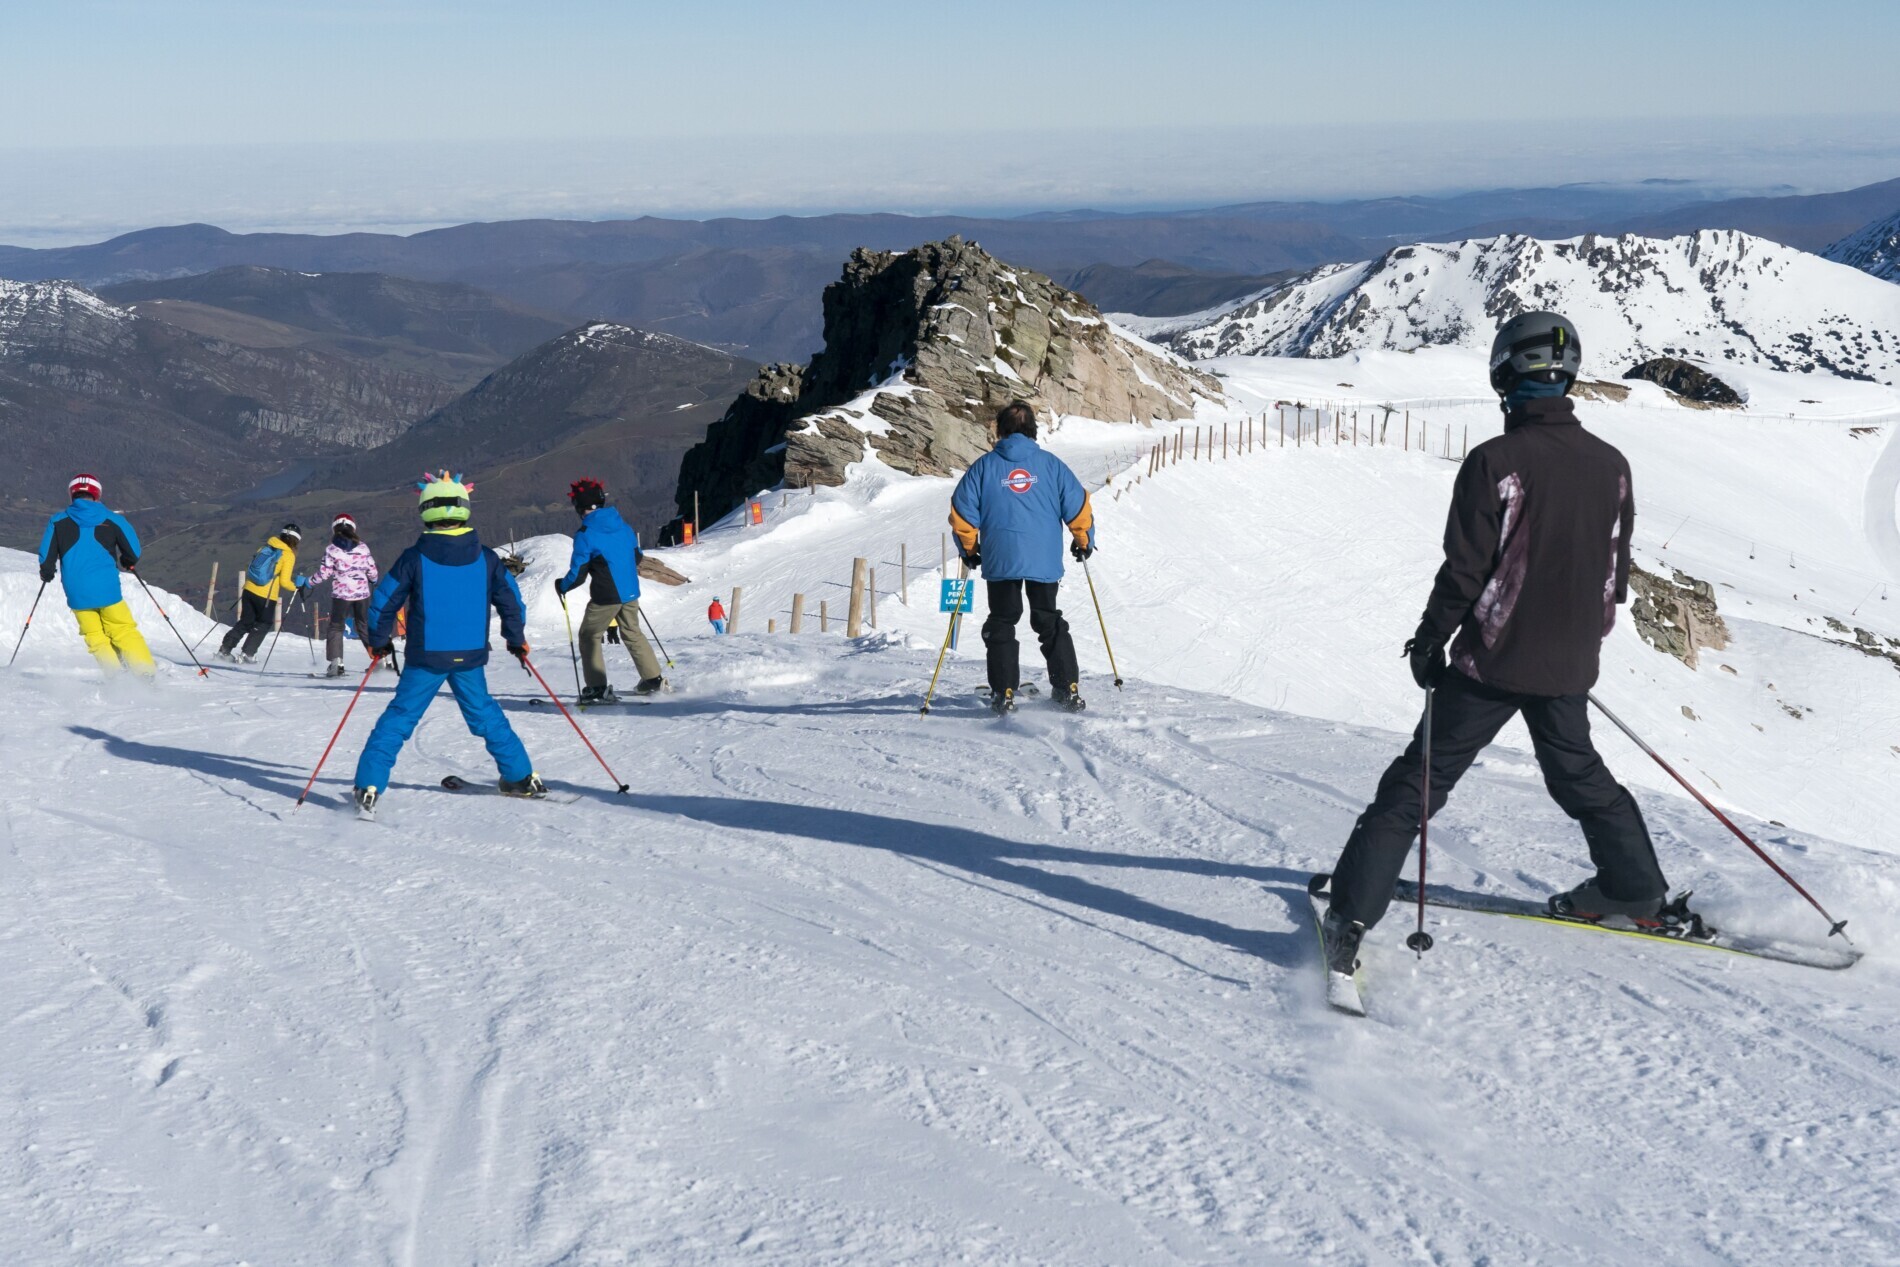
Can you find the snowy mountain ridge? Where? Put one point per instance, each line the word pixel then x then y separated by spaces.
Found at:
pixel 1719 297
pixel 1874 250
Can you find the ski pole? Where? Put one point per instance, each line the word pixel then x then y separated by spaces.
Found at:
pixel 1834 925
pixel 1104 624
pixel 28 625
pixel 929 694
pixel 656 638
pixel 272 650
pixel 572 655
pixel 374 660
pixel 202 671
pixel 1421 941
pixel 235 608
pixel 529 666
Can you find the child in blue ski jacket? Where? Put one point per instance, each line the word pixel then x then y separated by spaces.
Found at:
pixel 87 545
pixel 607 557
pixel 448 581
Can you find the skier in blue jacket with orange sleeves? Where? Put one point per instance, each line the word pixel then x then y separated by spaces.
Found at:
pixel 1009 514
pixel 448 580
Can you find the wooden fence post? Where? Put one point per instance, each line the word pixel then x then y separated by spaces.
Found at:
pixel 732 612
pixel 1464 451
pixel 854 613
pixel 1283 426
pixel 1408 431
pixel 798 613
pixel 211 591
pixel 1197 445
pixel 771 624
pixel 1223 442
pixel 824 616
pixel 903 574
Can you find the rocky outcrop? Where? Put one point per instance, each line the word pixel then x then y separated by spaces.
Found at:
pixel 1691 384
pixel 921 349
pixel 1676 614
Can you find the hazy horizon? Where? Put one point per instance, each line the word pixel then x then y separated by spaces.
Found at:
pixel 54 196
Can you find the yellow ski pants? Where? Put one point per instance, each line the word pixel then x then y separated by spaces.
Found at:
pixel 114 639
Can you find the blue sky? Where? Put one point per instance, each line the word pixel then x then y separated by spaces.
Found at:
pixel 585 104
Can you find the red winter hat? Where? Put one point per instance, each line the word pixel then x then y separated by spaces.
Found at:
pixel 341 520
pixel 85 486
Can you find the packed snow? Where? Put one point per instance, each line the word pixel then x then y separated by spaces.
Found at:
pixel 836 982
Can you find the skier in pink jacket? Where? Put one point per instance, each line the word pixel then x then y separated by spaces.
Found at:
pixel 351 571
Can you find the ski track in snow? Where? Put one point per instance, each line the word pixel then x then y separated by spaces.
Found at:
pixel 838 983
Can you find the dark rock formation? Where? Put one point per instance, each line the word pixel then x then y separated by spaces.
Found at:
pixel 1692 384
pixel 921 349
pixel 1677 614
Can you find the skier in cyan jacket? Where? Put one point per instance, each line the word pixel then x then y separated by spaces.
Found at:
pixel 1537 558
pixel 1009 513
pixel 448 580
pixel 87 546
pixel 607 556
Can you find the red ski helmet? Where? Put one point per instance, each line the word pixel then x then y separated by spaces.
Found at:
pixel 85 486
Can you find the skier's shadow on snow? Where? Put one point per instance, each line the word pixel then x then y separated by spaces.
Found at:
pixel 1005 862
pixel 247 770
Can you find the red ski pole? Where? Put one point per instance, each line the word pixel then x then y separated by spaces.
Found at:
pixel 1421 941
pixel 374 660
pixel 529 666
pixel 1834 925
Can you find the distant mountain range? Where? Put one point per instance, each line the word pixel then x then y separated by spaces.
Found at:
pixel 1717 297
pixel 1874 249
pixel 752 286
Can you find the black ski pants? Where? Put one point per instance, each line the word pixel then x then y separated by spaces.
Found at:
pixel 1467 715
pixel 342 609
pixel 999 635
pixel 255 616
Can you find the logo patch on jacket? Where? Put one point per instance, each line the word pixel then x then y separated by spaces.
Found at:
pixel 1019 481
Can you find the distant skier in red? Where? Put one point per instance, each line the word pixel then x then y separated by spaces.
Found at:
pixel 1537 558
pixel 717 615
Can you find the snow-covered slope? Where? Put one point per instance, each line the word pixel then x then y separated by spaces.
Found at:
pixel 1874 250
pixel 835 982
pixel 1721 297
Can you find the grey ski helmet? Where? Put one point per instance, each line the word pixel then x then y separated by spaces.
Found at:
pixel 1542 346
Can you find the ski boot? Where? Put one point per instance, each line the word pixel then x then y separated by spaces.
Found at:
pixel 1342 937
pixel 1003 702
pixel 1589 903
pixel 1070 700
pixel 649 686
pixel 336 669
pixel 530 788
pixel 591 695
pixel 225 653
pixel 365 798
pixel 244 657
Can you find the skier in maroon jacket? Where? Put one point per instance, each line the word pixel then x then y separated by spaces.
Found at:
pixel 1537 558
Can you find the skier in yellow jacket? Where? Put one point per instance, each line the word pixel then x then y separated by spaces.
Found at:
pixel 272 572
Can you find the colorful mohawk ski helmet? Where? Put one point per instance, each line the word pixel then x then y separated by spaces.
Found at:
pixel 443 498
pixel 586 495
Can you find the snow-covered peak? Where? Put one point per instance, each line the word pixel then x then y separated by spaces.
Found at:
pixel 35 311
pixel 1721 297
pixel 1874 250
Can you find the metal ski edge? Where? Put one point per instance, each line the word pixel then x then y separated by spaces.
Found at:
pixel 1825 959
pixel 1355 1005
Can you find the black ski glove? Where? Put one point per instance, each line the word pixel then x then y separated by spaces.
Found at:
pixel 519 652
pixel 384 652
pixel 1428 658
pixel 560 587
pixel 613 634
pixel 973 560
pixel 1079 552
